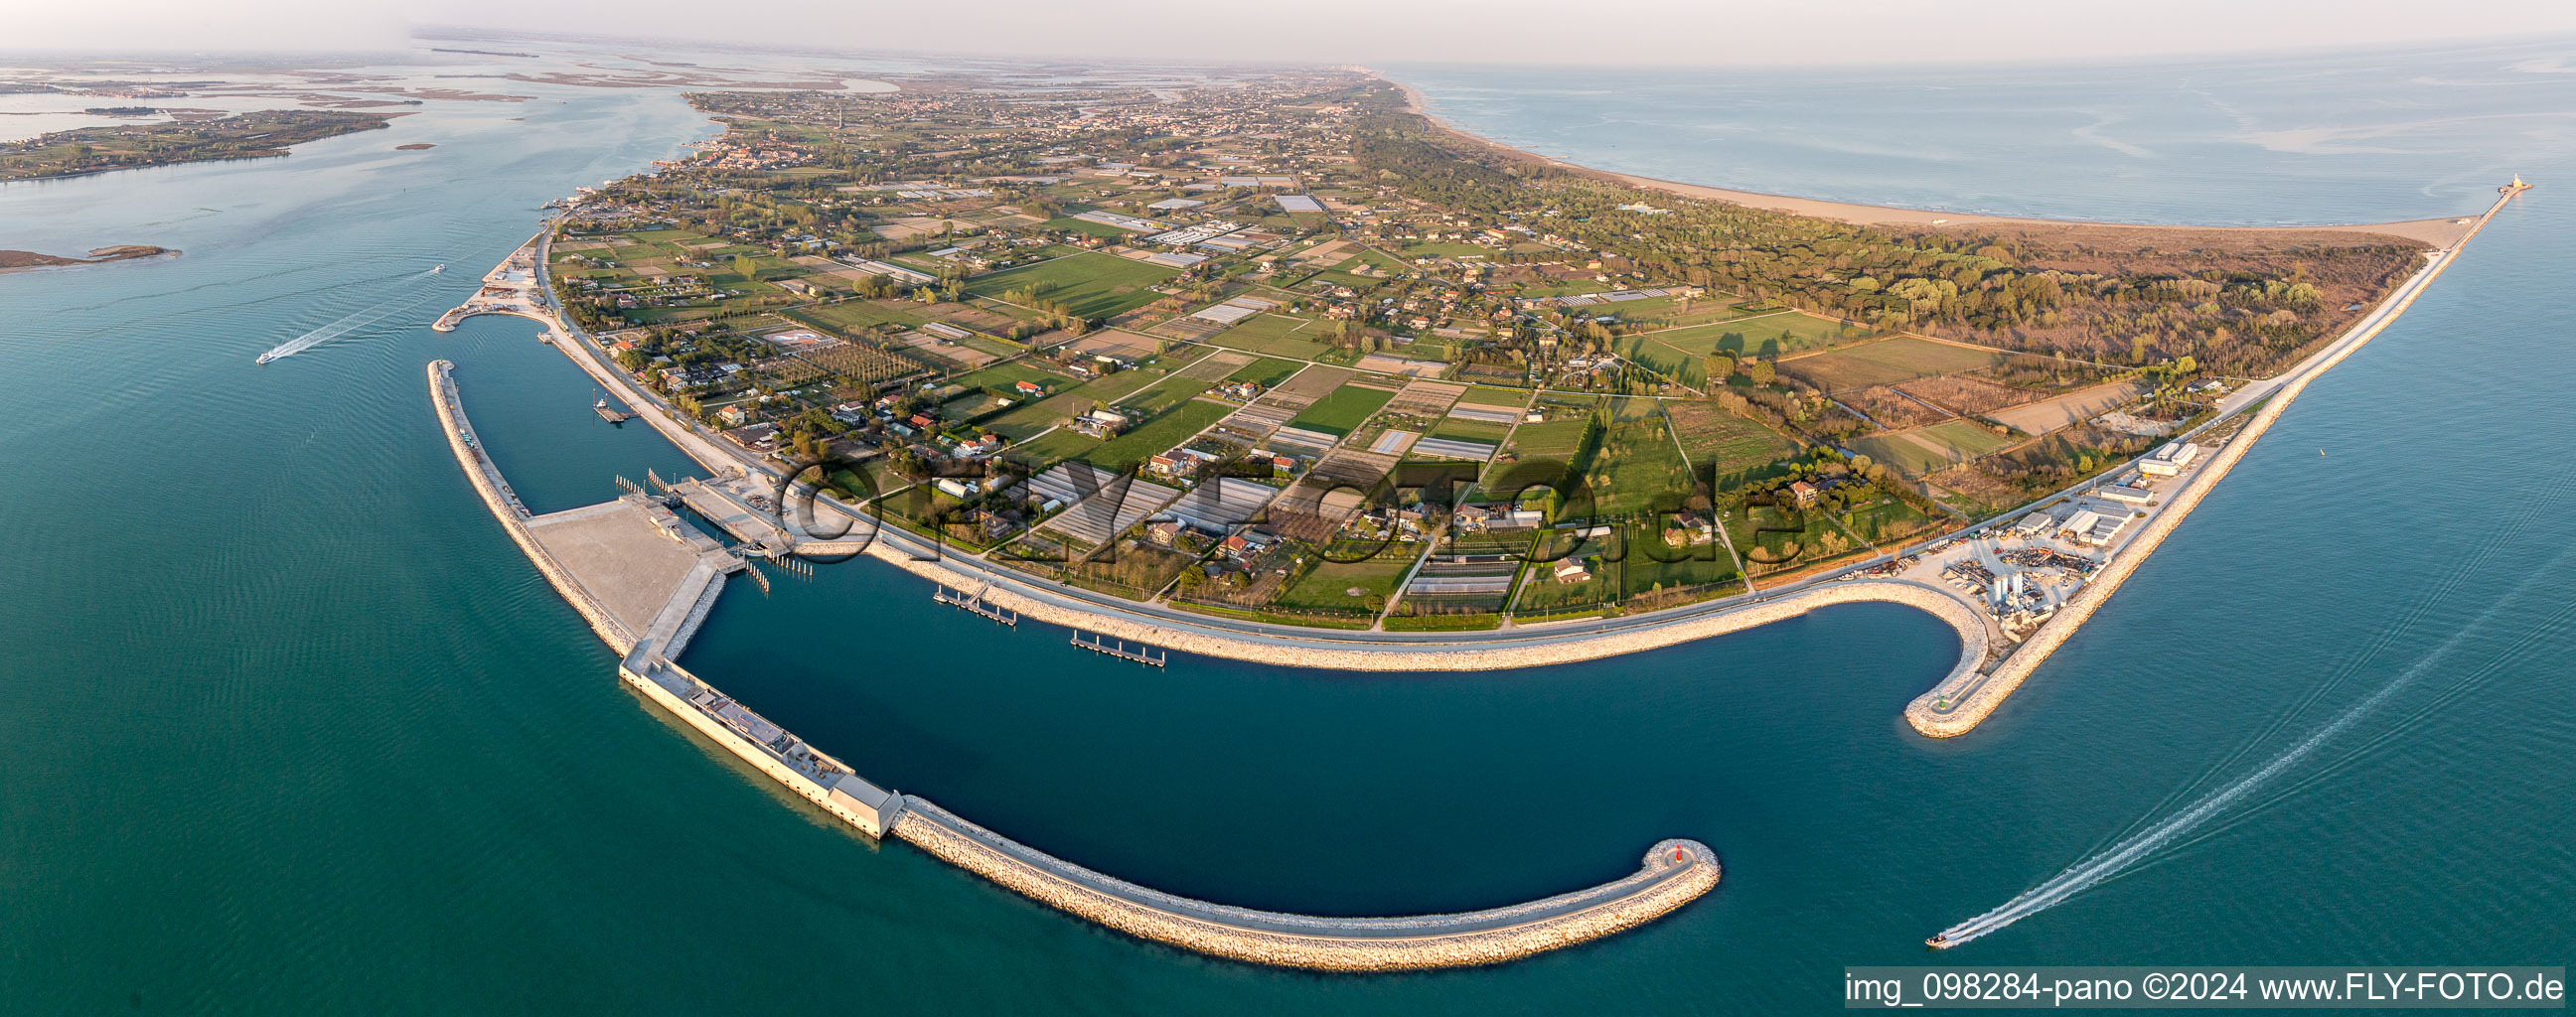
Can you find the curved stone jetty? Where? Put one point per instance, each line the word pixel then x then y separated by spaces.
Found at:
pixel 1674 873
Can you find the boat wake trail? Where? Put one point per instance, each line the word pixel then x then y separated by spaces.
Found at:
pixel 2139 846
pixel 354 321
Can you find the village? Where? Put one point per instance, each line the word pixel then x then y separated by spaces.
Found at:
pixel 1211 350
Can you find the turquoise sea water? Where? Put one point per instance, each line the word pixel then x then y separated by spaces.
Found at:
pixel 292 727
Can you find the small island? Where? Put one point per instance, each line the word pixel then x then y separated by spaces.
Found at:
pixel 417 146
pixel 20 261
pixel 256 135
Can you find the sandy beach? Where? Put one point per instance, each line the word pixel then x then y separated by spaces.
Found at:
pixel 2441 233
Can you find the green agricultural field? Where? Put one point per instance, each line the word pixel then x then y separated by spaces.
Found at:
pixel 1088 284
pixel 1555 439
pixel 1166 394
pixel 1000 378
pixel 1732 445
pixel 1888 520
pixel 988 344
pixel 968 406
pixel 1637 470
pixel 1061 443
pixel 1767 337
pixel 1328 586
pixel 1343 411
pixel 1032 418
pixel 1456 429
pixel 1481 396
pixel 1158 435
pixel 1268 372
pixel 1277 335
pixel 1887 362
pixel 1071 224
pixel 1774 335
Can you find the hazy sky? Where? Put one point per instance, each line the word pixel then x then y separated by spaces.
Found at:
pixel 1686 32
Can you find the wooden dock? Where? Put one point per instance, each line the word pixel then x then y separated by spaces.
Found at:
pixel 610 415
pixel 975 602
pixel 1142 654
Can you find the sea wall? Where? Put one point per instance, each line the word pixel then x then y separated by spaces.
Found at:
pixel 488 484
pixel 1673 873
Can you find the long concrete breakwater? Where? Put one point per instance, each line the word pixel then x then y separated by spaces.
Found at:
pixel 1673 873
pixel 1958 704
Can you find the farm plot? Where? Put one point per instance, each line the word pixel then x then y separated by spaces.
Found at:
pixel 1329 586
pixel 1887 362
pixel 1555 439
pixel 1343 411
pixel 1002 379
pixel 861 314
pixel 1277 335
pixel 1637 467
pixel 1168 393
pixel 1031 418
pixel 1188 329
pixel 1729 444
pixel 934 345
pixel 1398 365
pixel 1424 399
pixel 1312 384
pixel 1966 396
pixel 1089 285
pixel 1115 343
pixel 1220 364
pixel 1890 409
pixel 1157 435
pixel 862 367
pixel 1265 372
pixel 1931 449
pixel 1482 431
pixel 2049 415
